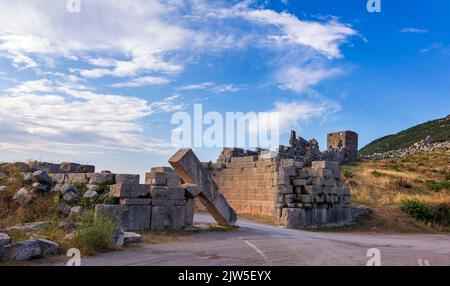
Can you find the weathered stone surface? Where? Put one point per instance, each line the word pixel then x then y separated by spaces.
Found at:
pixel 63 208
pixel 190 170
pixel 90 195
pixel 324 165
pixel 47 167
pixel 161 192
pixel 32 226
pixel 126 179
pixel 58 178
pixel 22 251
pixel 69 167
pixel 128 217
pixel 118 237
pixel 161 169
pixel 4 239
pixel 48 247
pixel 102 178
pixel 168 217
pixel 132 237
pixel 76 178
pixel 134 201
pixel 192 191
pixel 40 188
pixel 69 196
pixel 130 190
pixel 2 189
pixel 75 211
pixel 22 197
pixel 28 177
pixel 190 210
pixel 42 177
pixel 63 189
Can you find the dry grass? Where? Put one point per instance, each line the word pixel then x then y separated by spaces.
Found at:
pixel 382 185
pixel 163 236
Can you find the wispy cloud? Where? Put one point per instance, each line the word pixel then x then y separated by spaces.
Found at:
pixel 301 79
pixel 211 86
pixel 143 81
pixel 414 31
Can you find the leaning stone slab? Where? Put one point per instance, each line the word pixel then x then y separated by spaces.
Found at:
pixel 192 191
pixel 190 170
pixel 129 190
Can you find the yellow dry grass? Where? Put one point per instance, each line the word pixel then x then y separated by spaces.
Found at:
pixel 382 185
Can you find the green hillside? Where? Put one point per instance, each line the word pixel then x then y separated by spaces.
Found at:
pixel 438 129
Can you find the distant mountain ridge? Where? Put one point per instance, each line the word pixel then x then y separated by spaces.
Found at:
pixel 438 130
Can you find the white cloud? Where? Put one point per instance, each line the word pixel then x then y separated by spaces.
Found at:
pixel 199 86
pixel 414 31
pixel 218 88
pixel 293 115
pixel 57 117
pixel 143 81
pixel 302 79
pixel 167 105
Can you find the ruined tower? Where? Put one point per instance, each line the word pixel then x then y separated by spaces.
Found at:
pixel 344 144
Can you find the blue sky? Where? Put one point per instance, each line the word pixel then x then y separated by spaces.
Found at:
pixel 101 86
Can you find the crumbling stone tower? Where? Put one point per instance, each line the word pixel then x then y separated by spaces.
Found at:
pixel 344 145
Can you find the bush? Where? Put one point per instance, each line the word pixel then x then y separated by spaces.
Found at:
pixel 401 183
pixel 347 174
pixel 437 186
pixel 377 174
pixel 442 214
pixel 417 209
pixel 95 234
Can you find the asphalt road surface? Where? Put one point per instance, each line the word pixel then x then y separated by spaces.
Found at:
pixel 255 244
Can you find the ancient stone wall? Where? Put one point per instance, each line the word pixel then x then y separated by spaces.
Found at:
pixel 248 183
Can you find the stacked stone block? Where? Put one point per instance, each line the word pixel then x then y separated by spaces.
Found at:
pixel 160 203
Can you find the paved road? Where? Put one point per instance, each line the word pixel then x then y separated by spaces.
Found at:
pixel 260 244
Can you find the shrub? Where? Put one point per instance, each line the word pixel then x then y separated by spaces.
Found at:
pixel 418 209
pixel 437 186
pixel 377 174
pixel 401 183
pixel 442 214
pixel 347 174
pixel 95 234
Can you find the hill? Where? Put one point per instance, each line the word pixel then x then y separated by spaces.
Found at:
pixel 438 129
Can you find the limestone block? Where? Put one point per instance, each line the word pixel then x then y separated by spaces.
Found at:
pixel 102 178
pixel 21 251
pixel 129 190
pixel 134 201
pixel 324 165
pixel 161 169
pixel 299 182
pixel 58 178
pixel 305 198
pixel 192 191
pixel 161 192
pixel 126 179
pixel 190 170
pixel 76 178
pixel 168 217
pixel 190 210
pixel 313 190
pixel 138 217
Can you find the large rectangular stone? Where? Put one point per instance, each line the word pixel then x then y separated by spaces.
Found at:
pixel 129 190
pixel 127 179
pixel 166 193
pixel 190 170
pixel 324 165
pixel 168 217
pixel 127 217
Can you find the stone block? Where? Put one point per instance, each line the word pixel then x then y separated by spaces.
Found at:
pixel 299 182
pixel 161 169
pixel 324 165
pixel 190 170
pixel 126 179
pixel 313 190
pixel 134 201
pixel 22 251
pixel 168 217
pixel 129 190
pixel 191 190
pixel 190 210
pixel 102 178
pixel 76 178
pixel 138 217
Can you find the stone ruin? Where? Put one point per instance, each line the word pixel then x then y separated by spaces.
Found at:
pixel 166 200
pixel 299 186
